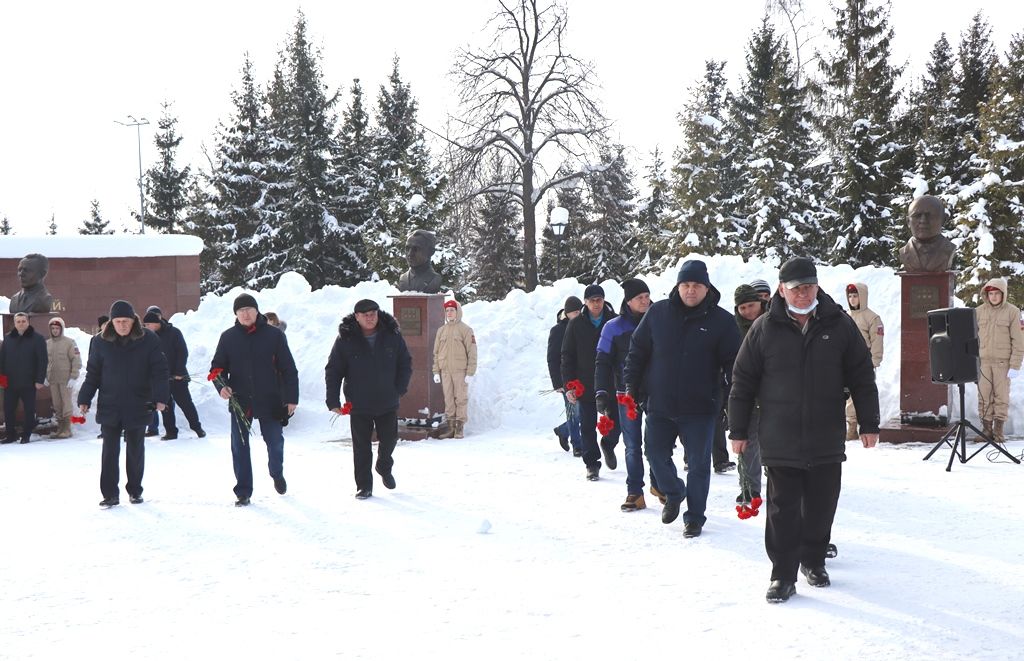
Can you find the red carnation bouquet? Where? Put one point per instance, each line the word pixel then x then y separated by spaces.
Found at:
pixel 745 510
pixel 575 387
pixel 217 376
pixel 3 380
pixel 345 409
pixel 626 400
pixel 78 419
pixel 605 425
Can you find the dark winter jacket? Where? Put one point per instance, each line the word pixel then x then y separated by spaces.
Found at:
pixel 258 367
pixel 579 349
pixel 23 358
pixel 175 349
pixel 612 349
pixel 679 356
pixel 555 337
pixel 375 377
pixel 130 374
pixel 799 380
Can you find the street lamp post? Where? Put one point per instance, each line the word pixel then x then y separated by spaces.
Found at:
pixel 559 220
pixel 137 123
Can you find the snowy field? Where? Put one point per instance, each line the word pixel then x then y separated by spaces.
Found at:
pixel 491 547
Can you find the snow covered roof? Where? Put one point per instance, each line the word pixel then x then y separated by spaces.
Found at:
pixel 113 245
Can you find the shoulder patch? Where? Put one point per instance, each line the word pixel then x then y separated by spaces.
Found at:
pixel 880 330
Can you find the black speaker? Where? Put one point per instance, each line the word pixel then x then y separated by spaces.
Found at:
pixel 953 345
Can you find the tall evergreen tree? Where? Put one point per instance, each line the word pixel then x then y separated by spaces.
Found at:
pixel 653 215
pixel 977 57
pixel 498 255
pixel 5 227
pixel 407 190
pixel 235 232
pixel 95 224
pixel 165 182
pixel 612 227
pixel 772 146
pixel 857 95
pixel 992 229
pixel 352 166
pixel 703 184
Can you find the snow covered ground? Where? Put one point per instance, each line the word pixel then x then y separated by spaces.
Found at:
pixel 494 546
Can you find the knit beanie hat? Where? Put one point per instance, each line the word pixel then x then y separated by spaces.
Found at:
pixel 694 270
pixel 761 286
pixel 121 309
pixel 151 318
pixel 634 287
pixel 572 304
pixel 745 294
pixel 244 301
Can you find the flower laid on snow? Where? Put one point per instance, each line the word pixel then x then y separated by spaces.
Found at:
pixel 627 400
pixel 576 387
pixel 78 419
pixel 605 425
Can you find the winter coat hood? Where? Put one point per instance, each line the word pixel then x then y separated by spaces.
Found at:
pixel 862 294
pixel 458 313
pixel 349 327
pixel 58 320
pixel 29 332
pixel 998 283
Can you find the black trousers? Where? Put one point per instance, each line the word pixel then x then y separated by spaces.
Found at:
pixel 183 398
pixel 363 426
pixel 27 396
pixel 801 507
pixel 135 459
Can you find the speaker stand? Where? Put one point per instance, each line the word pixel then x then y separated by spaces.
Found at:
pixel 958 434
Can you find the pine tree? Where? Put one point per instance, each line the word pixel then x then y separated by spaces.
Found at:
pixel 95 225
pixel 52 227
pixel 233 231
pixel 352 165
pixel 407 190
pixel 497 256
pixel 612 227
pixel 653 212
pixel 5 227
pixel 165 182
pixel 772 149
pixel 703 184
pixel 993 235
pixel 857 96
pixel 977 57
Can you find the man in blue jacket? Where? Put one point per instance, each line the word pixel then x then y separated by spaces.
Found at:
pixel 371 357
pixel 677 358
pixel 258 371
pixel 23 361
pixel 128 368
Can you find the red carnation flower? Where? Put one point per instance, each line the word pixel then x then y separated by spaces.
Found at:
pixel 755 503
pixel 576 386
pixel 78 419
pixel 627 400
pixel 605 425
pixel 3 380
pixel 346 408
pixel 214 373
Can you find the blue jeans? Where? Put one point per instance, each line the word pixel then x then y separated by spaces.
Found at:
pixel 273 436
pixel 154 424
pixel 632 438
pixel 696 432
pixel 571 426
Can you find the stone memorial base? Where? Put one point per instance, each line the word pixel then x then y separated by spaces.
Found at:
pixel 421 410
pixel 924 406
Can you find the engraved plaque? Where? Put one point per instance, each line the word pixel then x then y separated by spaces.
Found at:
pixel 410 321
pixel 922 299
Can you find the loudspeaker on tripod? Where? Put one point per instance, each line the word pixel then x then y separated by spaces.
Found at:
pixel 953 345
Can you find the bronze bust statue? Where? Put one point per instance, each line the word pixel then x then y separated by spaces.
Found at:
pixel 421 277
pixel 33 296
pixel 927 250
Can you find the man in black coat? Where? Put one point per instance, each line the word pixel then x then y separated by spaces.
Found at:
pixel 796 362
pixel 23 361
pixel 176 352
pixel 257 372
pixel 568 431
pixel 371 357
pixel 679 356
pixel 579 351
pixel 129 370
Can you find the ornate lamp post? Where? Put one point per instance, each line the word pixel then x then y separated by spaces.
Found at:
pixel 558 220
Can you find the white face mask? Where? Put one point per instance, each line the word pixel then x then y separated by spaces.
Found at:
pixel 807 310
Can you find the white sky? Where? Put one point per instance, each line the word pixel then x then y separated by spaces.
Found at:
pixel 71 68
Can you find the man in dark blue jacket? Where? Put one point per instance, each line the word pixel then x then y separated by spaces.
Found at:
pixel 128 368
pixel 176 351
pixel 612 349
pixel 23 361
pixel 579 350
pixel 677 358
pixel 568 431
pixel 258 372
pixel 371 357
pixel 796 363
